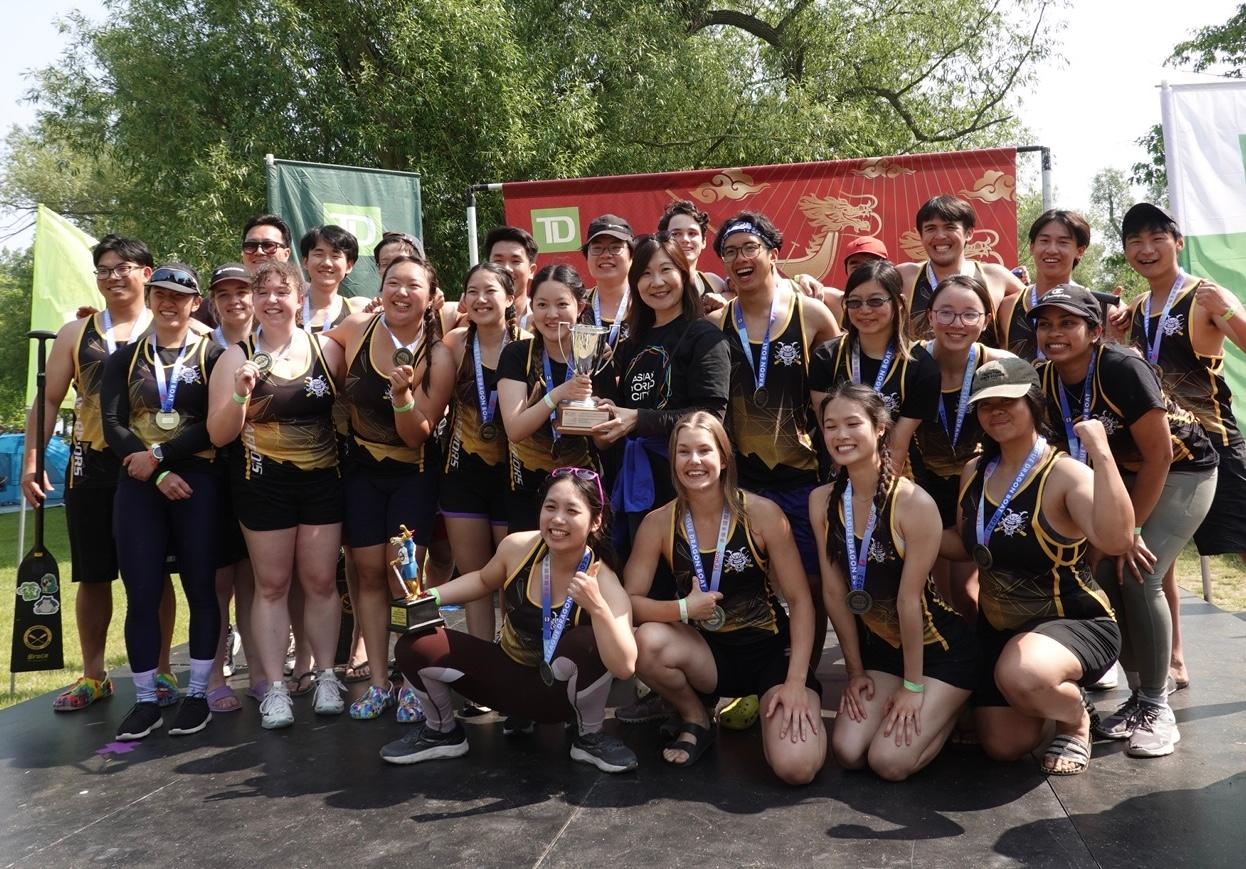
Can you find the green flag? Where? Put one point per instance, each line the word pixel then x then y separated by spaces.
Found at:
pixel 365 202
pixel 64 280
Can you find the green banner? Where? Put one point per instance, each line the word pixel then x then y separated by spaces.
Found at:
pixel 365 202
pixel 1222 258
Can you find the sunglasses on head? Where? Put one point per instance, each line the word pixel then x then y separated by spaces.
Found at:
pixel 584 474
pixel 174 276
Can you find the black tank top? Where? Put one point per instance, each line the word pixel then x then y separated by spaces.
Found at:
pixel 521 605
pixel 190 401
pixel 919 307
pixel 343 312
pixel 92 463
pixel 368 395
pixel 752 609
pixel 465 421
pixel 537 451
pixel 832 366
pixel 1019 338
pixel 1037 574
pixel 884 567
pixel 933 443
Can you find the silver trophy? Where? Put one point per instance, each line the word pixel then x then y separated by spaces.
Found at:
pixel 580 417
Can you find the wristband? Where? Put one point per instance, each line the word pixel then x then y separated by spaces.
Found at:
pixel 160 477
pixel 683 610
pixel 914 687
pixel 240 399
pixel 1138 531
pixel 549 402
pixel 1228 315
pixel 435 594
pixel 406 408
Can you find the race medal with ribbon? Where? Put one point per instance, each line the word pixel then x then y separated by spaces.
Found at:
pixel 1076 450
pixel 1152 346
pixel 962 400
pixel 612 336
pixel 487 404
pixel 551 626
pixel 884 367
pixel 560 447
pixel 402 356
pixel 981 551
pixel 761 396
pixel 167 418
pixel 859 600
pixel 263 362
pixel 719 617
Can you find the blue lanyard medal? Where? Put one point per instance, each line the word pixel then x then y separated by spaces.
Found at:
pixel 1039 354
pixel 613 335
pixel 760 394
pixel 884 367
pixel 488 428
pixel 859 600
pixel 962 404
pixel 981 552
pixel 1076 450
pixel 167 418
pixel 553 626
pixel 1152 346
pixel 404 354
pixel 719 618
pixel 553 414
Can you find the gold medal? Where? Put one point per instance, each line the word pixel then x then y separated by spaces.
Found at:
pixel 167 420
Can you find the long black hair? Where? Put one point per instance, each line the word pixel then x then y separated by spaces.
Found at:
pixel 598 508
pixel 432 319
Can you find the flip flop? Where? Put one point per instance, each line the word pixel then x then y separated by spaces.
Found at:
pixel 1070 748
pixel 704 739
pixel 296 685
pixel 360 672
pixel 220 700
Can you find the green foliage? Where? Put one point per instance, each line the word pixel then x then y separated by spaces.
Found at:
pixel 15 281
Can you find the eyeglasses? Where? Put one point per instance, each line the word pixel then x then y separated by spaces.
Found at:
pixel 872 301
pixel 748 251
pixel 603 249
pixel 584 474
pixel 267 246
pixel 122 271
pixel 946 317
pixel 174 276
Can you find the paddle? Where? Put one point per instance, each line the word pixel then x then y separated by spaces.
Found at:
pixel 37 613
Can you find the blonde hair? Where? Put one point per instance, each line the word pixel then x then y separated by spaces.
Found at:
pixel 727 478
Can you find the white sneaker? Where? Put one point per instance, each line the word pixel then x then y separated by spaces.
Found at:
pixel 1107 682
pixel 276 709
pixel 329 691
pixel 1156 733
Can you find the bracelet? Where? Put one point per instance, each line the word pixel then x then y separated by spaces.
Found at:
pixel 1138 531
pixel 549 402
pixel 914 687
pixel 240 399
pixel 1228 315
pixel 406 408
pixel 160 477
pixel 435 594
pixel 683 610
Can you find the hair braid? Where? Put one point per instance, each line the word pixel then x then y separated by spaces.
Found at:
pixel 885 474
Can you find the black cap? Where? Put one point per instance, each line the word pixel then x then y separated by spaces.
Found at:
pixel 228 272
pixel 611 225
pixel 178 277
pixel 1006 377
pixel 1072 298
pixel 1145 214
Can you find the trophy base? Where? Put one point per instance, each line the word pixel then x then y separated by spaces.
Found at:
pixel 575 419
pixel 414 615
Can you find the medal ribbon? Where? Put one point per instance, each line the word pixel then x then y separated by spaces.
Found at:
pixel 218 337
pixel 139 325
pixel 984 533
pixel 551 626
pixel 883 369
pixel 307 316
pixel 549 380
pixel 618 317
pixel 857 558
pixel 759 372
pixel 1033 303
pixel 1152 354
pixel 1088 389
pixel 398 345
pixel 962 403
pixel 720 549
pixel 489 404
pixel 167 389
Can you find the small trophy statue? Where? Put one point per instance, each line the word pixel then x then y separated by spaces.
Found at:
pixel 417 612
pixel 581 416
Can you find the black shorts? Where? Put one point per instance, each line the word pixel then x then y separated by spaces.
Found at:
pixel 475 490
pixel 956 665
pixel 231 546
pixel 944 490
pixel 1223 532
pixel 286 498
pixel 1096 643
pixel 752 668
pixel 92 549
pixel 378 500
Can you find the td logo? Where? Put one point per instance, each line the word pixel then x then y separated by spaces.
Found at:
pixel 556 230
pixel 362 221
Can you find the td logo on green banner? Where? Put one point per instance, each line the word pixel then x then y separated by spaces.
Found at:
pixel 362 221
pixel 556 230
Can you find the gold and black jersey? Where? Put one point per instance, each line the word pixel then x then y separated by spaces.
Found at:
pixel 1018 332
pixel 465 421
pixel 190 400
pixel 753 610
pixel 609 323
pixel 932 442
pixel 521 608
pixel 369 397
pixel 522 360
pixel 91 462
pixel 910 388
pixel 289 421
pixel 920 328
pixel 1036 573
pixel 1194 381
pixel 884 568
pixel 773 440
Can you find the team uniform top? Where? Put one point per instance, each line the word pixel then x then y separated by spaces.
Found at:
pixel 910 389
pixel 520 638
pixel 374 437
pixel 932 443
pixel 1134 391
pixel 522 360
pixel 752 609
pixel 919 307
pixel 774 442
pixel 1196 382
pixel 93 464
pixel 1018 332
pixel 132 399
pixel 1036 574
pixel 465 421
pixel 343 312
pixel 884 565
pixel 289 424
pixel 605 321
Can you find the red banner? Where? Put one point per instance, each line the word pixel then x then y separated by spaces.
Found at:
pixel 817 206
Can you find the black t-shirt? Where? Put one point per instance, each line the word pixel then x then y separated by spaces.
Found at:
pixel 912 386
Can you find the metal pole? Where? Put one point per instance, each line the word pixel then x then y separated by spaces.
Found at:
pixel 473 247
pixel 1204 563
pixel 1045 155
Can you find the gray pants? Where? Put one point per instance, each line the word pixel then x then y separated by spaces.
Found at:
pixel 1141 609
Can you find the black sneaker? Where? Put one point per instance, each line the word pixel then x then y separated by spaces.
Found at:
pixel 473 710
pixel 651 707
pixel 515 725
pixel 192 716
pixel 141 720
pixel 603 751
pixel 424 743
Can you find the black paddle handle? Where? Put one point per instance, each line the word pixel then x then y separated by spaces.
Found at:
pixel 41 387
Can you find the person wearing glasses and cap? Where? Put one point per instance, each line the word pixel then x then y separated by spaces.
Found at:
pixel 77 358
pixel 154 404
pixel 265 238
pixel 607 249
pixel 1028 515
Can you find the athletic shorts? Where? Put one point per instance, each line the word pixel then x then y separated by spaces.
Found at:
pixel 944 490
pixel 795 503
pixel 475 490
pixel 92 549
pixel 231 546
pixel 287 498
pixel 1223 532
pixel 752 668
pixel 378 500
pixel 1096 643
pixel 956 666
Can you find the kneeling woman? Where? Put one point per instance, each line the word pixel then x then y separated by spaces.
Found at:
pixel 727 635
pixel 911 660
pixel 1027 513
pixel 555 661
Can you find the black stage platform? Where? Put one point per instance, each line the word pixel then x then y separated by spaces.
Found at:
pixel 317 794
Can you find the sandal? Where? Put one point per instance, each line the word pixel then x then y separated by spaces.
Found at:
pixel 223 699
pixel 303 685
pixel 82 694
pixel 704 739
pixel 1069 748
pixel 360 672
pixel 257 690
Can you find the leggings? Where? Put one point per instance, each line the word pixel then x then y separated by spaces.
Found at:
pixel 482 672
pixel 1141 608
pixel 147 525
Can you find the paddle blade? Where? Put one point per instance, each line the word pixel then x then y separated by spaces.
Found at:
pixel 37 639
